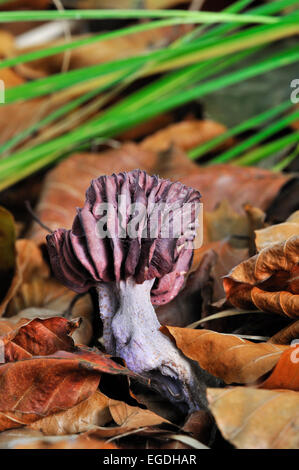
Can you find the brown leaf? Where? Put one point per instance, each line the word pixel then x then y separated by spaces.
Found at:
pixel 40 386
pixel 268 280
pixel 29 264
pixel 92 412
pixel 74 442
pixel 7 250
pixel 39 338
pixel 226 356
pixel 253 418
pixel 45 298
pixel 25 4
pixel 252 185
pixel 65 186
pixel 277 233
pixel 287 334
pixel 133 417
pixel 185 135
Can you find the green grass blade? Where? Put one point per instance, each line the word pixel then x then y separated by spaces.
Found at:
pixel 204 17
pixel 251 123
pixel 267 150
pixel 256 139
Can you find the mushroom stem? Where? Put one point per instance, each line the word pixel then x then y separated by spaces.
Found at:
pixel 132 332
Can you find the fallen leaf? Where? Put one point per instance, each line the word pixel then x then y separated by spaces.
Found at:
pixel 105 51
pixel 185 135
pixel 286 372
pixel 92 412
pixel 29 264
pixel 7 250
pixel 37 387
pixel 74 442
pixel 252 185
pixel 133 417
pixel 268 280
pixel 39 338
pixel 277 233
pixel 253 418
pixel 227 356
pixel 46 298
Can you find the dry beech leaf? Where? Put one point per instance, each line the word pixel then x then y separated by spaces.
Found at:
pixel 286 372
pixel 27 438
pixel 129 418
pixel 92 412
pixel 29 264
pixel 255 186
pixel 50 374
pixel 268 280
pixel 105 51
pixel 277 233
pixel 7 250
pixel 40 386
pixel 133 417
pixel 185 135
pixel 74 442
pixel 226 356
pixel 253 418
pixel 45 298
pixel 39 338
pixel 68 181
pixel 25 4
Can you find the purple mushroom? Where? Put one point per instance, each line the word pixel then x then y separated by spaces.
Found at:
pixel 133 242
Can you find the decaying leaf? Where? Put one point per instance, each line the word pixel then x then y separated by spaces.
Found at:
pixel 227 356
pixel 185 135
pixel 45 298
pixel 55 442
pixel 268 280
pixel 253 418
pixel 40 386
pixel 253 185
pixel 7 250
pixel 105 51
pixel 286 372
pixel 29 264
pixel 266 237
pixel 38 338
pixel 92 412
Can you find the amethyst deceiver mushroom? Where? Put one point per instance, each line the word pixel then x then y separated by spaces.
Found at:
pixel 133 242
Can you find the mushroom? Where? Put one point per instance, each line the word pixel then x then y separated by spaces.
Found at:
pixel 133 242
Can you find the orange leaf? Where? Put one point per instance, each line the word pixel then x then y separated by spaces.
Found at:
pixel 286 372
pixel 226 356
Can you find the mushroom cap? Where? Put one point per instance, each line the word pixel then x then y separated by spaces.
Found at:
pixel 132 225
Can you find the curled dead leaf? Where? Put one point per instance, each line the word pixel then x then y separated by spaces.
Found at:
pixel 253 418
pixel 266 237
pixel 268 280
